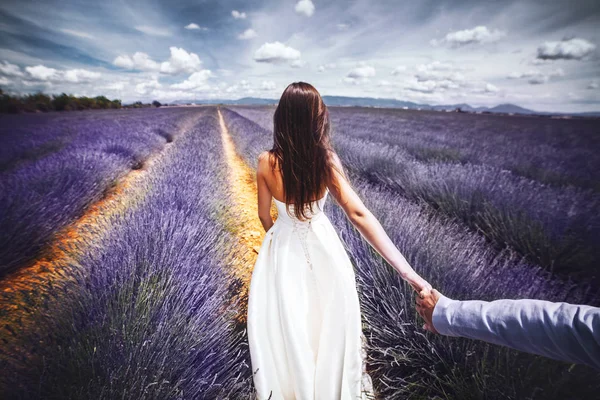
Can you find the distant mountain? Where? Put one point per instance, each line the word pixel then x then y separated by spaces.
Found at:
pixel 343 101
pixel 511 108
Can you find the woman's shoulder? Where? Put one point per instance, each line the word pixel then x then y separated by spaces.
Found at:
pixel 265 161
pixel 264 156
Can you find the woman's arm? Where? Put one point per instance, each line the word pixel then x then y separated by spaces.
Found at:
pixel 264 193
pixel 370 228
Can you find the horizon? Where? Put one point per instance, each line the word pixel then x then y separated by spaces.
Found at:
pixel 542 57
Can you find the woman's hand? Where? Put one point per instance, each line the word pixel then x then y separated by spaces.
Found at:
pixel 420 285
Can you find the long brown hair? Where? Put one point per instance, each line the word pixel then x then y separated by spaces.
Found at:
pixel 301 146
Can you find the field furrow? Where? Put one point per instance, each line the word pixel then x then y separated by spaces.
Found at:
pixel 146 310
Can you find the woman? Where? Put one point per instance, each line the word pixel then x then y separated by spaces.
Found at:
pixel 304 320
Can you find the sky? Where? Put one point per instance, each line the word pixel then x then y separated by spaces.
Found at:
pixel 539 54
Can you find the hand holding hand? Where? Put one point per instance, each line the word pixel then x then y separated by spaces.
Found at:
pixel 421 286
pixel 425 306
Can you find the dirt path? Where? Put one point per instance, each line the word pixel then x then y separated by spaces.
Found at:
pixel 23 292
pixel 245 223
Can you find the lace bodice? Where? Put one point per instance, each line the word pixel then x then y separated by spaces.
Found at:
pixel 301 227
pixel 317 206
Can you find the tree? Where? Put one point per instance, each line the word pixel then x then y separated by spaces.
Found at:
pixel 156 103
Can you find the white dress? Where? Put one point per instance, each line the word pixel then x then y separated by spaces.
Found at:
pixel 304 319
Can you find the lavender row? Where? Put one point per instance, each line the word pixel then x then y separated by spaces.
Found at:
pixel 39 196
pixel 404 361
pixel 149 314
pixel 556 227
pixel 551 151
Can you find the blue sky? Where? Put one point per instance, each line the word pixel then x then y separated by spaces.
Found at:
pixel 539 54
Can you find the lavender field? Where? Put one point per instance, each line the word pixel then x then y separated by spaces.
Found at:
pixel 120 236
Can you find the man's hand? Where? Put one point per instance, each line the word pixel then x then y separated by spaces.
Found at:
pixel 425 304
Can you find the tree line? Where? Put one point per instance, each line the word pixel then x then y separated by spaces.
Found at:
pixel 41 102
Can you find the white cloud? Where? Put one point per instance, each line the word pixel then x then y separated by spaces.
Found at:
pixel 276 52
pixel 153 31
pixel 298 64
pixel 80 75
pixel 398 69
pixel 268 85
pixel 478 35
pixel 361 72
pixel 124 61
pixel 116 86
pixel 342 26
pixel 536 77
pixel 139 60
pixel 180 61
pixel 305 7
pixel 80 34
pixel 384 82
pixel 42 73
pixel 9 69
pixel 197 80
pixel 489 88
pixel 439 71
pixel 143 87
pixel 49 75
pixel 4 81
pixel 247 34
pixel 238 15
pixel 593 85
pixel 193 26
pixel 570 49
pixel 324 67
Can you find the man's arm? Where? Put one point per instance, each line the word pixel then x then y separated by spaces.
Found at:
pixel 560 331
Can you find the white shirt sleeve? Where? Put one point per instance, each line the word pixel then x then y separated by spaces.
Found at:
pixel 561 331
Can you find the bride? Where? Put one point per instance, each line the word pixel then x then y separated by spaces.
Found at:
pixel 304 320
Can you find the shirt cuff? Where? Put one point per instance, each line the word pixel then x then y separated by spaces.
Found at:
pixel 442 317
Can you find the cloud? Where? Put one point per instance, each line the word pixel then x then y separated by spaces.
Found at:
pixel 4 81
pixel 197 80
pixel 193 26
pixel 9 69
pixel 342 26
pixel 489 88
pixel 536 77
pixel 180 61
pixel 116 86
pixel 247 34
pixel 430 86
pixel 365 71
pixel 360 74
pixel 439 71
pixel 478 35
pixel 80 75
pixel 276 52
pixel 138 60
pixel 569 49
pixel 77 33
pixel 47 74
pixel 268 85
pixel 238 15
pixel 324 67
pixel 305 7
pixel 297 64
pixel 143 87
pixel 153 31
pixel 593 85
pixel 398 70
pixel 42 73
